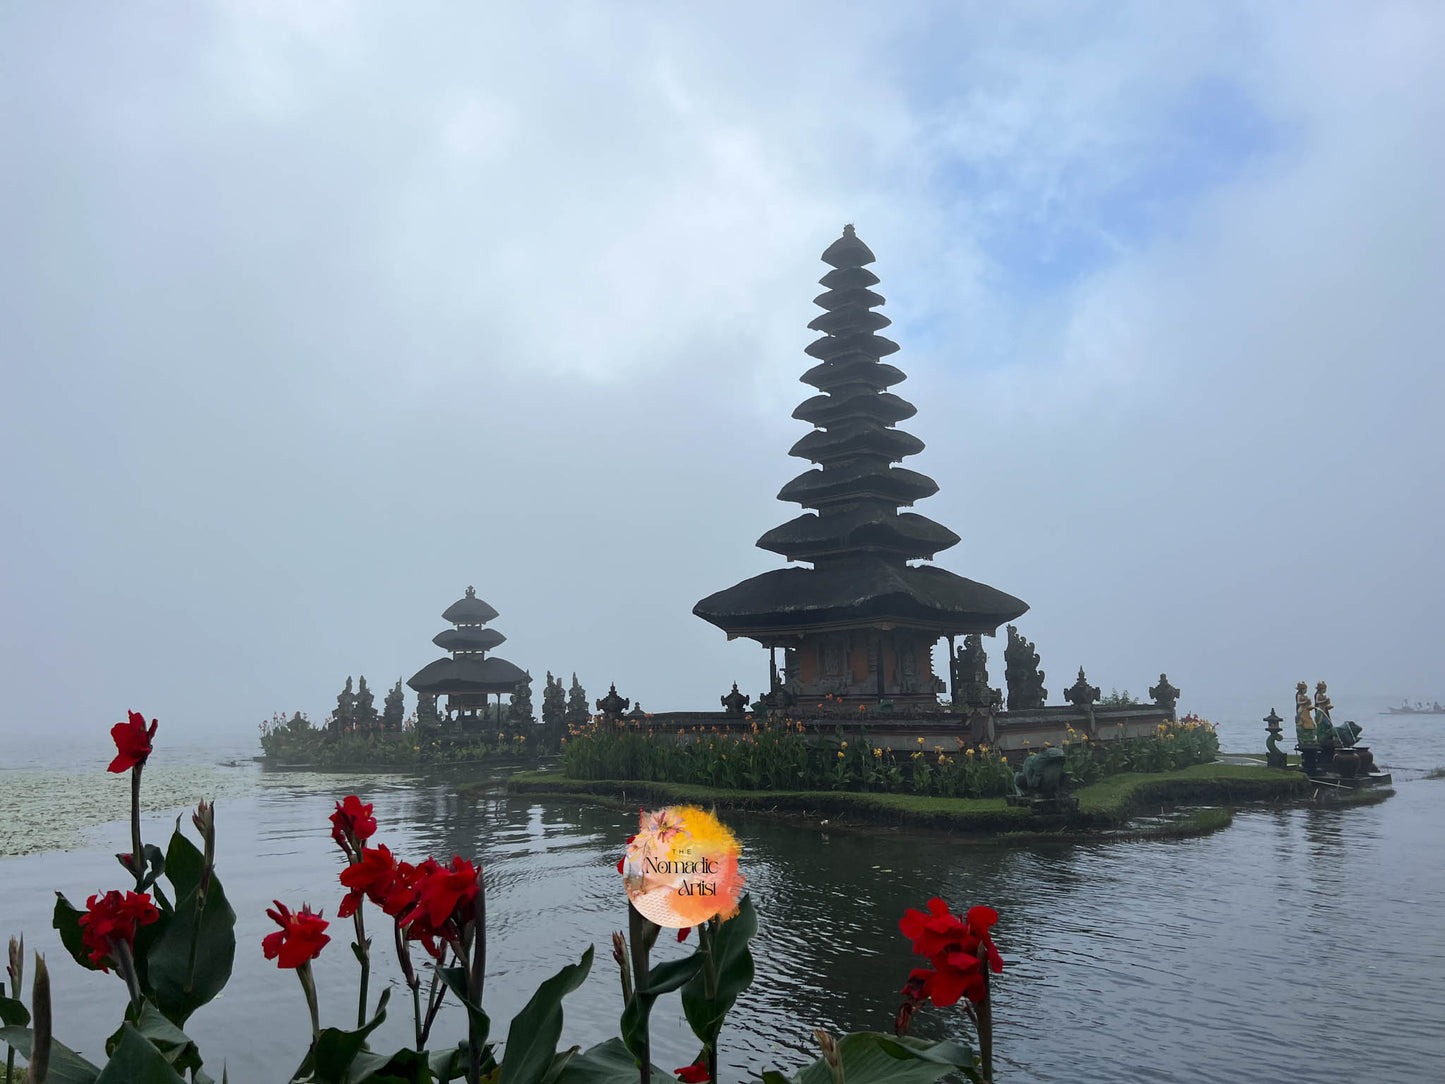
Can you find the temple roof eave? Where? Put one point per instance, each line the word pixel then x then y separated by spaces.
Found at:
pixel 867 592
pixel 467 675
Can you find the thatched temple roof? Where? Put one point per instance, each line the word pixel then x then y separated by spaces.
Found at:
pixel 858 539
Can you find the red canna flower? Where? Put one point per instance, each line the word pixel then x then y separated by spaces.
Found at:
pixel 371 877
pixel 957 948
pixel 401 894
pixel 696 1073
pixel 934 932
pixel 352 822
pixel 132 742
pixel 443 893
pixel 300 939
pixel 112 919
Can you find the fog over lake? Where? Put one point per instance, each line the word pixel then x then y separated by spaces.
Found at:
pixel 312 315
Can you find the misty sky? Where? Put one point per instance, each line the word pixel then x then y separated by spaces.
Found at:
pixel 312 314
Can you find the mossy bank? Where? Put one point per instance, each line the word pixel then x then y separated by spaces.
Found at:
pixel 1106 808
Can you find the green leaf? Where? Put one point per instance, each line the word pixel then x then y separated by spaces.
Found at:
pixel 456 981
pixel 180 983
pixel 67 922
pixel 13 1012
pixel 330 1059
pixel 532 1037
pixel 137 1061
pixel 662 979
pixel 733 968
pixel 665 978
pixel 153 1025
pixel 449 1064
pixel 870 1057
pixel 560 1061
pixel 404 1067
pixel 184 864
pixel 66 1066
pixel 607 1063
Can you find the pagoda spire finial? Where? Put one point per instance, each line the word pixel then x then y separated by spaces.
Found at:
pixel 471 591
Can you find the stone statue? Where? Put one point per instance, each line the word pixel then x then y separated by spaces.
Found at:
pixel 1324 725
pixel 734 703
pixel 613 705
pixel 1081 694
pixel 1021 671
pixel 970 674
pixel 1304 720
pixel 1274 756
pixel 1084 696
pixel 1042 775
pixel 1165 695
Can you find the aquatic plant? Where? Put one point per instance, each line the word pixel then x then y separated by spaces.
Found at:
pixel 174 949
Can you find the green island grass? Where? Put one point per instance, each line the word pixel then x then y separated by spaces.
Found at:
pixel 1104 807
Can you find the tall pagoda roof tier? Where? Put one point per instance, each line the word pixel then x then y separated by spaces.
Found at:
pixel 852 439
pixel 859 539
pixel 468 638
pixel 885 408
pixel 854 481
pixel 469 610
pixel 467 675
pixel 863 530
pixel 864 593
pixel 870 372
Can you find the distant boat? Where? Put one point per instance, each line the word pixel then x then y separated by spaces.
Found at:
pixel 1419 708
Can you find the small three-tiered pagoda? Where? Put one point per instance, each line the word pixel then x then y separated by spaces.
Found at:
pixel 862 622
pixel 468 677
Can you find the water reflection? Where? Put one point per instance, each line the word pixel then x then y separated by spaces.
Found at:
pixel 1205 959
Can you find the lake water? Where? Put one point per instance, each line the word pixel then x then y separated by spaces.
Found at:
pixel 1296 945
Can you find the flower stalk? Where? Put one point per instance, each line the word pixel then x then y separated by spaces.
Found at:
pixel 984 1019
pixel 40 1026
pixel 137 854
pixel 706 935
pixel 642 935
pixel 125 964
pixel 476 977
pixel 16 969
pixel 362 949
pixel 308 987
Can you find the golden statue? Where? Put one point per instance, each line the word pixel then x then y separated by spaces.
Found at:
pixel 1304 720
pixel 1324 725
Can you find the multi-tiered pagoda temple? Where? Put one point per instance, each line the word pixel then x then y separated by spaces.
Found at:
pixel 468 677
pixel 862 622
